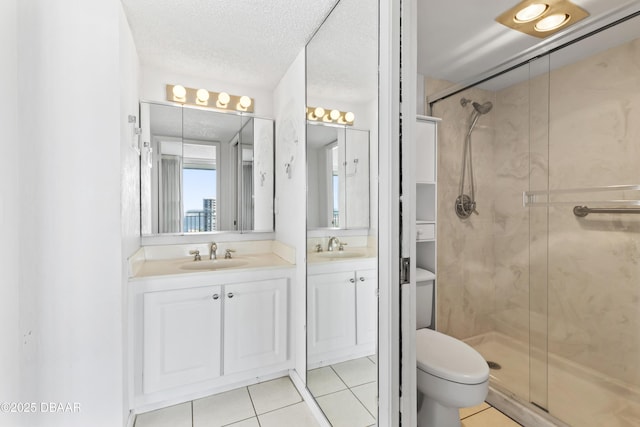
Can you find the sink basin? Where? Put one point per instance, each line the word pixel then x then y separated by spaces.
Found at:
pixel 214 264
pixel 340 255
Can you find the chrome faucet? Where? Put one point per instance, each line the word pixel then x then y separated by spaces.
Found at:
pixel 213 250
pixel 333 241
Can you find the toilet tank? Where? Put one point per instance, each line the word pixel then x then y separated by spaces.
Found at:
pixel 424 297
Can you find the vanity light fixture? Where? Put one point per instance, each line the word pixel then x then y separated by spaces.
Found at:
pixel 205 98
pixel 542 18
pixel 245 102
pixel 332 116
pixel 179 93
pixel 223 100
pixel 202 97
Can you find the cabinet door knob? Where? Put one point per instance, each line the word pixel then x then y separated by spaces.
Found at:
pixel 361 279
pixel 230 295
pixel 352 280
pixel 216 296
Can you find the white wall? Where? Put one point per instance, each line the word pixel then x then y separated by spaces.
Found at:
pixel 9 216
pixel 289 106
pixel 130 181
pixel 70 205
pixel 154 81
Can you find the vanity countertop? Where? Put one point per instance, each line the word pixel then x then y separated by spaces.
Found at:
pixel 184 265
pixel 351 255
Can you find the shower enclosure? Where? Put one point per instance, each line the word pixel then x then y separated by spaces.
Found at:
pixel 548 294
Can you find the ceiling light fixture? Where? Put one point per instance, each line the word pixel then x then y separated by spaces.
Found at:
pixel 531 12
pixel 552 22
pixel 542 18
pixel 204 98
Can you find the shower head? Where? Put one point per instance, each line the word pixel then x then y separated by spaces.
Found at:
pixel 483 108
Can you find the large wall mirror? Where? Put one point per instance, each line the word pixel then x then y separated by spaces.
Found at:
pixel 338 165
pixel 342 198
pixel 205 171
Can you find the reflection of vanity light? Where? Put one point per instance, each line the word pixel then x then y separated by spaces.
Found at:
pixel 330 116
pixel 179 93
pixel 202 97
pixel 223 100
pixel 349 117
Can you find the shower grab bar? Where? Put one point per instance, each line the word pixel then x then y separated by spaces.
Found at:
pixel 582 211
pixel 530 198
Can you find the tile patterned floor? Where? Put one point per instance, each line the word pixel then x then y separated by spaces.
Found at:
pixel 346 392
pixel 274 403
pixel 277 403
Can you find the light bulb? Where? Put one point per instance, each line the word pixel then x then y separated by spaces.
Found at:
pixel 202 95
pixel 223 98
pixel 245 102
pixel 179 92
pixel 552 22
pixel 349 117
pixel 531 12
pixel 318 112
pixel 334 114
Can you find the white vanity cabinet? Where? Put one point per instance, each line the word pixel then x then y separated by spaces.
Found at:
pixel 255 325
pixel 198 334
pixel 341 312
pixel 182 330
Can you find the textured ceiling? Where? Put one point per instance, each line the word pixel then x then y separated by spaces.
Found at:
pixel 246 42
pixel 342 57
pixel 459 39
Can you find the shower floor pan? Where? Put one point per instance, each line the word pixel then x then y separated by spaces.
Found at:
pixel 577 395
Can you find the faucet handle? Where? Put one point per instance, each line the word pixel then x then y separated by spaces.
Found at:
pixel 341 246
pixel 318 247
pixel 196 254
pixel 227 253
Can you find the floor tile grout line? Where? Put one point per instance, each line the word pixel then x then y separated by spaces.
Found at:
pixel 239 421
pixel 362 403
pixel 338 375
pixel 253 406
pixel 476 413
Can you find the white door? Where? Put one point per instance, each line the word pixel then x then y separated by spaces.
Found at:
pixel 330 312
pixel 366 306
pixel 255 325
pixel 181 337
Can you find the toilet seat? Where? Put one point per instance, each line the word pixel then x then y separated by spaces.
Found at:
pixel 449 358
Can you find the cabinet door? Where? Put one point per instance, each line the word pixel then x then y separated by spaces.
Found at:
pixel 331 317
pixel 366 306
pixel 181 337
pixel 255 325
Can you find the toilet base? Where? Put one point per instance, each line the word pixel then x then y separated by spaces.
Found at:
pixel 433 414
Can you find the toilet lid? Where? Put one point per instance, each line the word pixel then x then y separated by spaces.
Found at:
pixel 448 358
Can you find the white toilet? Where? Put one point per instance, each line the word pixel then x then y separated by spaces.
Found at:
pixel 451 374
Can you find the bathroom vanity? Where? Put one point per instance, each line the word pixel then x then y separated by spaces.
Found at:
pixel 202 327
pixel 342 306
